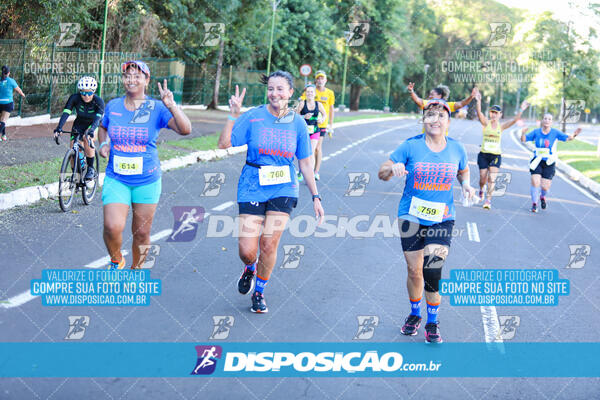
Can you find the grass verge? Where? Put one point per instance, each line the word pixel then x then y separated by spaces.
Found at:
pixel 582 156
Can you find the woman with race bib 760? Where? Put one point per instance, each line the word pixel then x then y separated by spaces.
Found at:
pixel 133 176
pixel 268 186
pixel 430 162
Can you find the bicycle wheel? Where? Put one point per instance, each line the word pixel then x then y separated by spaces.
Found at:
pixel 90 188
pixel 67 181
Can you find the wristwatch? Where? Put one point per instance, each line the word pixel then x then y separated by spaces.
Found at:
pixel 316 196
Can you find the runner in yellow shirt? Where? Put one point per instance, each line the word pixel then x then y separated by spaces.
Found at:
pixel 327 98
pixel 490 156
pixel 440 92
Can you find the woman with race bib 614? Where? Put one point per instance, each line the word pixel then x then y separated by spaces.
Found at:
pixel 133 176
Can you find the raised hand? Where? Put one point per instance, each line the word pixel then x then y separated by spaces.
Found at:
pixel 235 102
pixel 524 105
pixel 410 87
pixel 166 95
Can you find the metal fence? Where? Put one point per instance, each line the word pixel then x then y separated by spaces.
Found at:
pixel 48 75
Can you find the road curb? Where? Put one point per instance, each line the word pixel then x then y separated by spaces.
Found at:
pixel 33 194
pixel 573 174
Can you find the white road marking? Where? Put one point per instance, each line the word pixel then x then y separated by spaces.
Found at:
pixel 491 325
pixel 472 232
pixel 25 297
pixel 366 138
pixel 223 206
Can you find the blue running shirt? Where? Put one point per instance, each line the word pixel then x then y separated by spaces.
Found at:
pixel 270 142
pixel 547 141
pixel 133 137
pixel 7 86
pixel 430 179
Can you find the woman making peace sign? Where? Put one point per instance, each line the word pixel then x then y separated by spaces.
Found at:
pixel 133 176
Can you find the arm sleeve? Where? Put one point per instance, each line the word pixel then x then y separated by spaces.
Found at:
pixel 67 110
pixel 400 155
pixel 240 134
pixel 98 115
pixel 303 148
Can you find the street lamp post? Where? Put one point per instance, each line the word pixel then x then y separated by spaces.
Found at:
pixel 103 49
pixel 274 3
pixel 342 105
pixel 387 92
pixel 425 81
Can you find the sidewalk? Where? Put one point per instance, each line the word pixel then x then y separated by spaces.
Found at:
pixel 35 143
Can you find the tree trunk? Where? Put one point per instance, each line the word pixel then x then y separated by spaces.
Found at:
pixel 215 100
pixel 355 96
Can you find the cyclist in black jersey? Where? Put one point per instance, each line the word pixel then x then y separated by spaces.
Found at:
pixel 89 109
pixel 314 114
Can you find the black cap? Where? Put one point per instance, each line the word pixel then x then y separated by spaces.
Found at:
pixel 496 108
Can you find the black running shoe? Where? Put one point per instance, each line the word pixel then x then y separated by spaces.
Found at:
pixel 411 325
pixel 246 282
pixel 534 208
pixel 90 174
pixel 258 303
pixel 432 333
pixel 543 202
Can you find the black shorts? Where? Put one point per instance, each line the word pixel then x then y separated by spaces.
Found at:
pixel 80 127
pixel 322 131
pixel 7 107
pixel 543 169
pixel 486 160
pixel 281 204
pixel 415 236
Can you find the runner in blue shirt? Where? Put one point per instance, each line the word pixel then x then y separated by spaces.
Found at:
pixel 132 123
pixel 430 161
pixel 542 165
pixel 7 86
pixel 268 185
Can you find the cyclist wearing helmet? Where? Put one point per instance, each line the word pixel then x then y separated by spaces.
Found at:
pixel 89 109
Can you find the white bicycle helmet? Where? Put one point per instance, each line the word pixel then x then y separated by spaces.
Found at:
pixel 87 84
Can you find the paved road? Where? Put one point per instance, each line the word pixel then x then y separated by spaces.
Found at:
pixel 336 280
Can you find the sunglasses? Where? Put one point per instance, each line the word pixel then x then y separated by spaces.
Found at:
pixel 86 93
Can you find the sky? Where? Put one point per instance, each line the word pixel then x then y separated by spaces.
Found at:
pixel 562 10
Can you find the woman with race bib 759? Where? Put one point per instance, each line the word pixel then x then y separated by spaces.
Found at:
pixel 430 162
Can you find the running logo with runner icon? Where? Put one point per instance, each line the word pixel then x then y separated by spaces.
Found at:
pixel 68 33
pixel 499 32
pixel 358 183
pixel 508 326
pixel 212 33
pixel 357 33
pixel 366 326
pixel 572 111
pixel 212 183
pixel 222 326
pixel 77 326
pixel 501 183
pixel 292 255
pixel 185 224
pixel 208 357
pixel 579 254
pixel 142 113
pixel 149 252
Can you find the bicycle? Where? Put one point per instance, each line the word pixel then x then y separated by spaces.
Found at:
pixel 72 173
